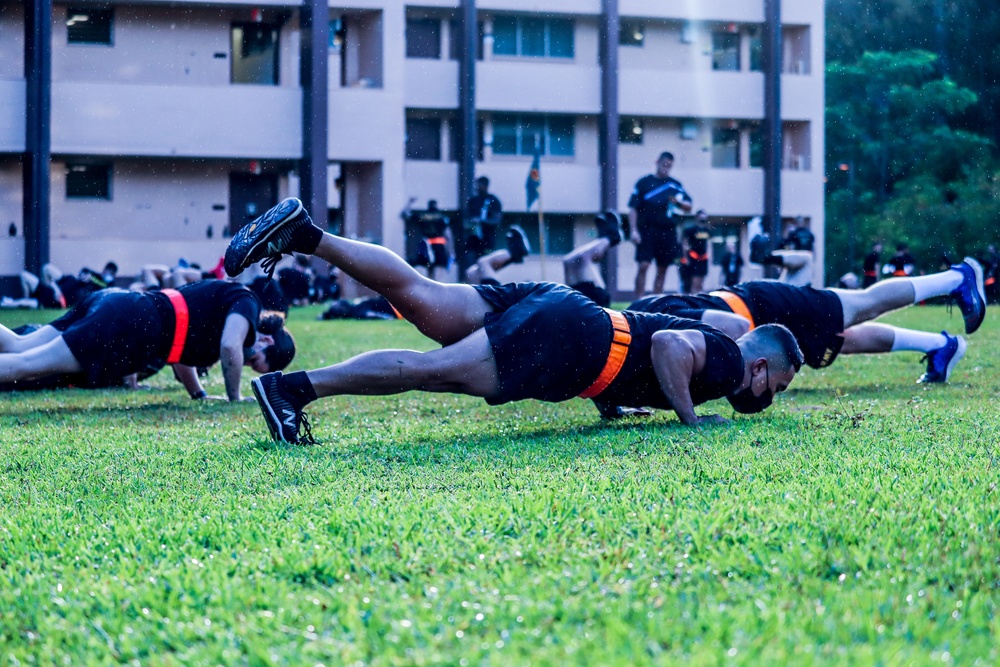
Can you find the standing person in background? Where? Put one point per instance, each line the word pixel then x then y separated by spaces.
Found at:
pixel 694 262
pixel 799 237
pixel 732 265
pixel 435 246
pixel 483 214
pixel 901 264
pixel 656 202
pixel 872 265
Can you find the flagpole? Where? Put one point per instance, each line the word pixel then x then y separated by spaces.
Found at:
pixel 541 233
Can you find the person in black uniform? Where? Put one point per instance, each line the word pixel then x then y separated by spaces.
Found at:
pixel 434 249
pixel 694 261
pixel 517 341
pixel 732 265
pixel 115 333
pixel 872 265
pixel 483 214
pixel 832 321
pixel 901 264
pixel 653 208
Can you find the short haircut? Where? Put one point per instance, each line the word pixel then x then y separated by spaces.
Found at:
pixel 483 180
pixel 666 155
pixel 281 353
pixel 432 203
pixel 770 340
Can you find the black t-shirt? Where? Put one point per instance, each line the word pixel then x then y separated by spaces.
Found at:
pixel 654 200
pixel 209 303
pixel 697 238
pixel 636 384
pixel 800 238
pixel 900 262
pixel 483 207
pixel 431 224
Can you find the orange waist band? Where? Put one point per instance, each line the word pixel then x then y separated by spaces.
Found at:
pixel 437 240
pixel 738 305
pixel 616 355
pixel 181 320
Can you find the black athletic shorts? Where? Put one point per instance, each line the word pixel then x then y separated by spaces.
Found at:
pixel 598 295
pixel 815 317
pixel 658 244
pixel 550 342
pixel 694 268
pixel 113 333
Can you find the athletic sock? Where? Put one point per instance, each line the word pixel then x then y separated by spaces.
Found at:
pixel 306 239
pixel 936 284
pixel 919 341
pixel 298 388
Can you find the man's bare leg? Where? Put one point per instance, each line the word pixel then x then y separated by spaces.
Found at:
pixel 465 367
pixel 487 266
pixel 893 294
pixel 640 279
pixel 444 312
pixel 48 359
pixel 582 265
pixel 660 279
pixel 11 342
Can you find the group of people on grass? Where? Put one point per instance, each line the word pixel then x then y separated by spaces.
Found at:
pixel 501 342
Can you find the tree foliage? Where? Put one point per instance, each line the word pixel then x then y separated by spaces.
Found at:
pixel 906 161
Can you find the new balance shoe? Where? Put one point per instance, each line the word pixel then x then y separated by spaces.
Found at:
pixel 269 236
pixel 942 361
pixel 284 420
pixel 517 244
pixel 970 295
pixel 609 226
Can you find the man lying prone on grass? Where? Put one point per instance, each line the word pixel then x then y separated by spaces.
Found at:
pixel 512 342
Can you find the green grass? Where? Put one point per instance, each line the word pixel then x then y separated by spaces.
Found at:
pixel 854 523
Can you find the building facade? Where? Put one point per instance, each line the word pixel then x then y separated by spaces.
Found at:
pixel 173 123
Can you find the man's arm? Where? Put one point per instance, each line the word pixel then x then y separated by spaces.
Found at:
pixel 633 225
pixel 188 376
pixel 234 332
pixel 676 357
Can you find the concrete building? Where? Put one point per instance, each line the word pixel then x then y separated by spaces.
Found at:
pixel 173 123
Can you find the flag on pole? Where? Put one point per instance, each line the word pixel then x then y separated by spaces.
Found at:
pixel 534 181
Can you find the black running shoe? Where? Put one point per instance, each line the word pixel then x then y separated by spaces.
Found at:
pixel 609 226
pixel 517 244
pixel 285 422
pixel 269 236
pixel 970 295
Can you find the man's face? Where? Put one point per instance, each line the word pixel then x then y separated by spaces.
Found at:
pixel 254 356
pixel 764 385
pixel 663 167
pixel 482 187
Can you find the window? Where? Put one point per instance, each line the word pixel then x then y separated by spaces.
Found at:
pixel 88 181
pixel 453 126
pixel 88 26
pixel 756 50
pixel 533 37
pixel 423 138
pixel 632 33
pixel 725 148
pixel 630 130
pixel 255 54
pixel 518 135
pixel 756 146
pixel 726 51
pixel 455 39
pixel 423 38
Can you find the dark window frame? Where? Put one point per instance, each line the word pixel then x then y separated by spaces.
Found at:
pixel 91 32
pixel 627 33
pixel 414 151
pixel 524 143
pixel 626 133
pixel 276 45
pixel 414 46
pixel 99 185
pixel 547 24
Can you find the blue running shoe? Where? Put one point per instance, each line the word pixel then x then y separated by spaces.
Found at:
pixel 942 361
pixel 284 420
pixel 970 295
pixel 269 236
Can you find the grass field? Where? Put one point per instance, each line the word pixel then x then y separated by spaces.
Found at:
pixel 855 523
